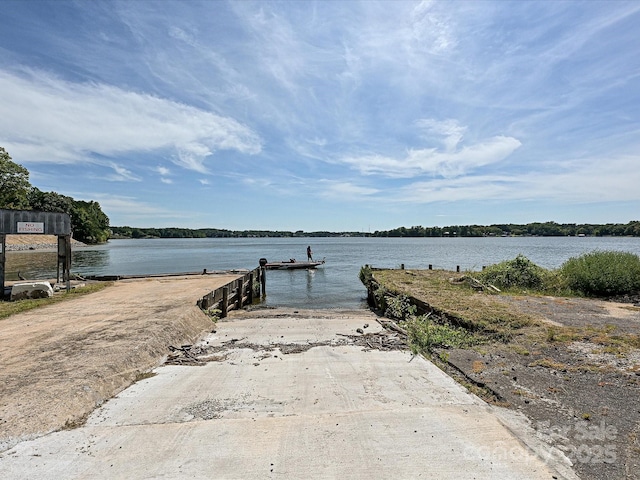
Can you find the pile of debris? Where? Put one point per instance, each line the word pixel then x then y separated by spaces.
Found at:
pixel 392 337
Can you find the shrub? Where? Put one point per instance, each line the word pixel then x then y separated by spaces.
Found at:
pixel 603 273
pixel 365 275
pixel 399 307
pixel 517 273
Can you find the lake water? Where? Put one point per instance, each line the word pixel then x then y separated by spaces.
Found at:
pixel 335 284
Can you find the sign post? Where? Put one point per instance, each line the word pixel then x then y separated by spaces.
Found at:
pixel 2 250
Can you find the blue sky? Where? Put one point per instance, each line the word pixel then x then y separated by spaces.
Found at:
pixel 329 115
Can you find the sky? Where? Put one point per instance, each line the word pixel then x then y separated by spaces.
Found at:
pixel 327 115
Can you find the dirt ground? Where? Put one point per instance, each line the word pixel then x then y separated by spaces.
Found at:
pixel 581 397
pixel 61 361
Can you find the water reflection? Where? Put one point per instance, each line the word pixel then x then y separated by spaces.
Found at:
pixel 31 264
pixel 310 275
pixel 42 265
pixel 299 288
pixel 86 262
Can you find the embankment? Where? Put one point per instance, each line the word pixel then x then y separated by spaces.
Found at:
pixel 63 360
pixel 35 242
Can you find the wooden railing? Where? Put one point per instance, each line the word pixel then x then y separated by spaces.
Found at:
pixel 235 294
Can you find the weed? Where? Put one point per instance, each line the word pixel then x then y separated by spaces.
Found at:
pixel 399 307
pixel 365 275
pixel 517 273
pixel 561 334
pixel 381 295
pixel 478 313
pixel 214 314
pixel 520 350
pixel 143 376
pixel 478 366
pixel 425 335
pixel 548 363
pixel 444 357
pixel 603 273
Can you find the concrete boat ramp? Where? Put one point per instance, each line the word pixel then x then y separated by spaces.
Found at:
pixel 277 393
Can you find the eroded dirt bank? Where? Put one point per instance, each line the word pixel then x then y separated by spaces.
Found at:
pixel 61 361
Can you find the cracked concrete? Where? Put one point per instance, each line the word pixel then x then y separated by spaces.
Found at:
pixel 332 409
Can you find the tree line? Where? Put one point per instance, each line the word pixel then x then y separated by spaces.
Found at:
pixel 539 229
pixel 546 229
pixel 174 232
pixel 89 223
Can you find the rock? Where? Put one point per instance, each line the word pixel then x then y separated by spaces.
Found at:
pixel 21 291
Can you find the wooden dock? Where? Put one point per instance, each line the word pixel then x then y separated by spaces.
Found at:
pixel 236 294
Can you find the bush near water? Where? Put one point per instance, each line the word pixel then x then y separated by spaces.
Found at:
pixel 519 272
pixel 603 273
pixel 593 274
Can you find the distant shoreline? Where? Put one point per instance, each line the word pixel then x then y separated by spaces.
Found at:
pixel 26 243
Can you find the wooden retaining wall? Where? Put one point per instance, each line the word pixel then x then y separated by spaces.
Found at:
pixel 235 294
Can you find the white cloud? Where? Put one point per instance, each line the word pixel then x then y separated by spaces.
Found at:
pixel 121 174
pixel 343 191
pixel 432 161
pixel 261 183
pixel 431 29
pixel 192 157
pixel 585 182
pixel 46 119
pixel 450 129
pixel 128 206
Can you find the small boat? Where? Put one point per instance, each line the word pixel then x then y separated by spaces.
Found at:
pixel 291 264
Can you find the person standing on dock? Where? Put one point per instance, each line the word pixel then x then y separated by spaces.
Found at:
pixel 309 254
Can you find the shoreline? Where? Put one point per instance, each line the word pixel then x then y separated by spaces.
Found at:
pixel 26 243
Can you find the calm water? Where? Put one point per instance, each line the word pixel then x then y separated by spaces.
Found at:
pixel 335 284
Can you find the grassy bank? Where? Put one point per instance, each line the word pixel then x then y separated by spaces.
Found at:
pixel 11 308
pixel 442 309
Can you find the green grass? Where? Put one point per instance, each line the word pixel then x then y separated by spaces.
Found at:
pixel 8 308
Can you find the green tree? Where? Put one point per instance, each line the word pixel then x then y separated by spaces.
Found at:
pixel 88 222
pixel 49 201
pixel 14 183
